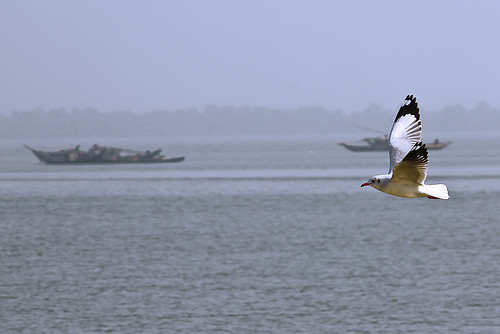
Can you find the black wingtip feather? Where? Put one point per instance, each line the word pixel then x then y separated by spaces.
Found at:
pixel 418 154
pixel 410 106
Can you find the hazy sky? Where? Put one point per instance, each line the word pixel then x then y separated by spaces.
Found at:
pixel 145 55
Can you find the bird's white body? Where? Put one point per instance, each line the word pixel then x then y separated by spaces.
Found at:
pixel 410 190
pixel 408 159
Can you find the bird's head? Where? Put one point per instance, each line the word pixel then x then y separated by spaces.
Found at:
pixel 376 181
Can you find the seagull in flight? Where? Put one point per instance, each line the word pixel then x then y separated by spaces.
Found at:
pixel 408 159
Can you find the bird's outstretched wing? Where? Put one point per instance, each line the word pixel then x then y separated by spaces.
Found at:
pixel 413 168
pixel 406 131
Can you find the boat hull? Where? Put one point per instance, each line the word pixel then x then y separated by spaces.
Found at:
pixel 385 148
pixel 365 148
pixel 156 161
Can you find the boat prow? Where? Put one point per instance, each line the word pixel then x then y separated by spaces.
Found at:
pixel 437 145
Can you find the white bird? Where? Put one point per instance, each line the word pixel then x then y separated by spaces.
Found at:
pixel 408 165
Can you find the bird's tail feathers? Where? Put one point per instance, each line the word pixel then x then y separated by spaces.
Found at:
pixel 436 191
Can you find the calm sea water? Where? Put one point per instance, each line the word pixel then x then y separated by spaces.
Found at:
pixel 248 235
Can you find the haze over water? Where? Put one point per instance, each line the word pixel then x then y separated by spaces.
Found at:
pixel 248 235
pixel 143 56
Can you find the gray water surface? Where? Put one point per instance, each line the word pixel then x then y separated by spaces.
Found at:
pixel 249 235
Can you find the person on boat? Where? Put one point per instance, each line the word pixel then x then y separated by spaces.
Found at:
pixel 78 151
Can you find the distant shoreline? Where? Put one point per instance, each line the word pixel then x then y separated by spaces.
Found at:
pixel 227 121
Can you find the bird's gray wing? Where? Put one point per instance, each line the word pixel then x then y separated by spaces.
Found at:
pixel 413 168
pixel 406 131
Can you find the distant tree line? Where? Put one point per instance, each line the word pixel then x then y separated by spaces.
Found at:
pixel 229 120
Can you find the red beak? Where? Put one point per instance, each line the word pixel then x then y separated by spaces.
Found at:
pixel 365 184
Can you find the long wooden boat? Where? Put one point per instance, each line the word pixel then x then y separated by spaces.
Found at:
pixel 102 155
pixel 374 144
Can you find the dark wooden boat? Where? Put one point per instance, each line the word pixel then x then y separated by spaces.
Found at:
pixel 102 155
pixel 374 144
